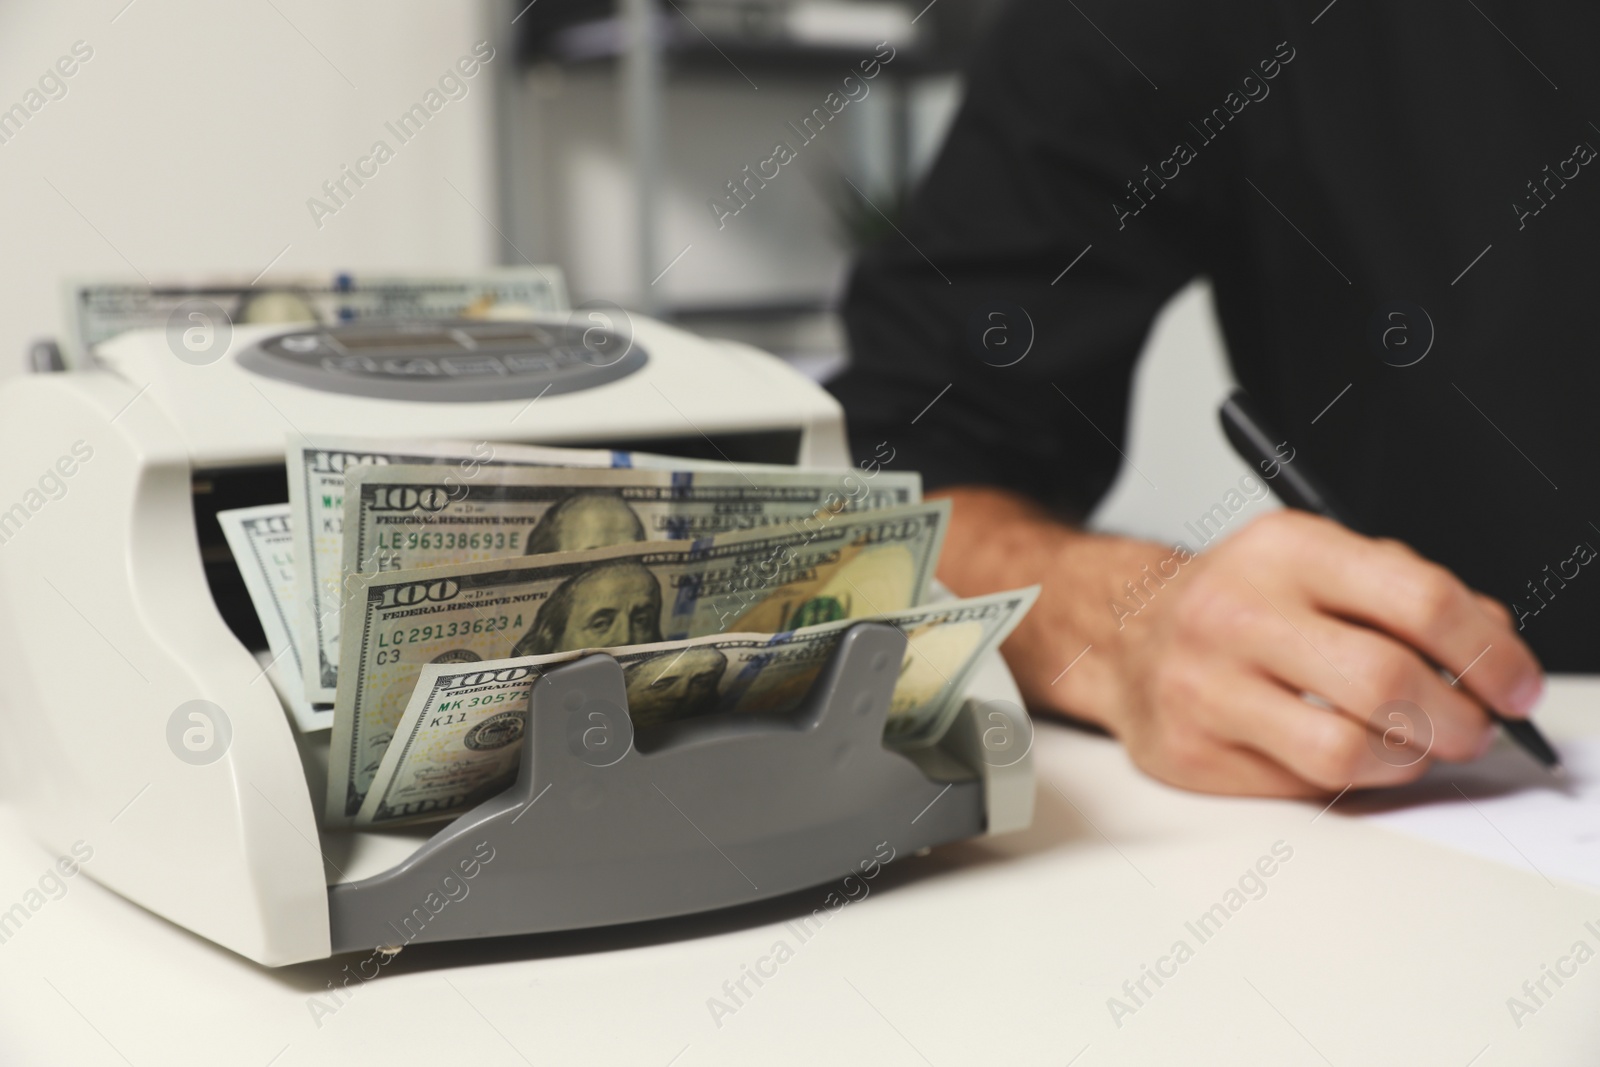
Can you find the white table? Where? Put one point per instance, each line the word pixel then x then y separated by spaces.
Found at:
pixel 1366 948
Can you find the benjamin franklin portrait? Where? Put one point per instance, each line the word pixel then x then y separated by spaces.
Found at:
pixel 585 520
pixel 674 685
pixel 605 606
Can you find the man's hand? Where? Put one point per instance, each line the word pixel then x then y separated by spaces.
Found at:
pixel 1201 665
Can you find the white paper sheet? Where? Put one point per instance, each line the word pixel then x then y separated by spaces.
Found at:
pixel 1506 807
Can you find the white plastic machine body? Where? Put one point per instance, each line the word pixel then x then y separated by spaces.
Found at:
pixel 114 592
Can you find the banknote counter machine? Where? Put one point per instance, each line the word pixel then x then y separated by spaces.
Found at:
pixel 122 606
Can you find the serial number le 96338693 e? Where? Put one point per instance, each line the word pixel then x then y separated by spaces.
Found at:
pixel 449 540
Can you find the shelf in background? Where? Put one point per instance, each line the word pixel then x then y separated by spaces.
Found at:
pixel 772 36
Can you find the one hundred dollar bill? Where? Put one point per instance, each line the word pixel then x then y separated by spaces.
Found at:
pixel 404 517
pixel 316 498
pixel 317 470
pixel 263 548
pixel 101 308
pixel 459 739
pixel 765 581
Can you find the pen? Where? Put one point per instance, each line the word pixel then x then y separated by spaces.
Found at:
pixel 1297 488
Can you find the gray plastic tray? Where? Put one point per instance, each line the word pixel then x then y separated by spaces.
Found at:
pixel 595 832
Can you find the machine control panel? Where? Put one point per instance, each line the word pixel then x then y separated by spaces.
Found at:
pixel 461 361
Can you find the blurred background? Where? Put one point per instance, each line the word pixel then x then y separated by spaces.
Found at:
pixel 199 137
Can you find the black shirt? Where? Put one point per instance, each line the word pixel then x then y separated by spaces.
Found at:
pixel 1365 184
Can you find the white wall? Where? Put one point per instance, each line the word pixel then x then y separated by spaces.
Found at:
pixel 1179 464
pixel 193 138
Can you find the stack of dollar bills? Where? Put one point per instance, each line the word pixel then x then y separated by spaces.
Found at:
pixel 412 593
pixel 99 309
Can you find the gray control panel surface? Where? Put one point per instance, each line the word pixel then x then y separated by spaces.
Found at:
pixel 465 361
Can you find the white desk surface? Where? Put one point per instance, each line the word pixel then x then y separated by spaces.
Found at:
pixel 1367 949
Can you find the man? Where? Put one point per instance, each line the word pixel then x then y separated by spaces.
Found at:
pixel 1395 205
pixel 604 606
pixel 673 686
pixel 591 519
